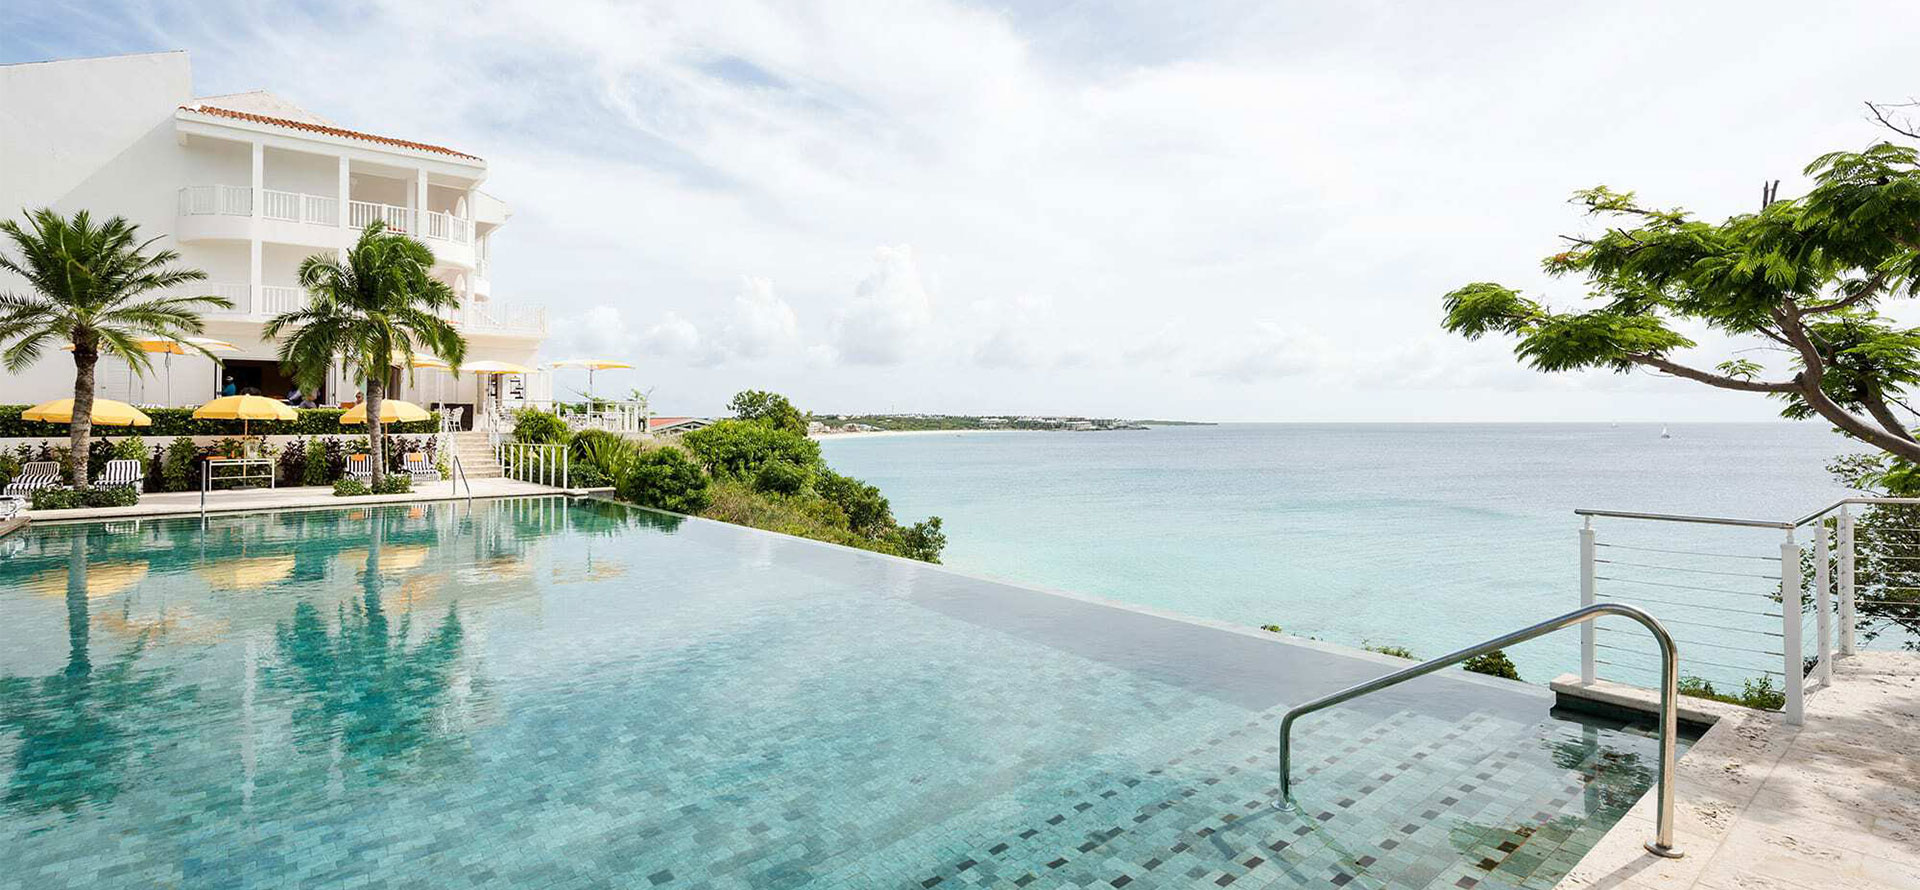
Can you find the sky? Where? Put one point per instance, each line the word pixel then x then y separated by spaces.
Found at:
pixel 1226 211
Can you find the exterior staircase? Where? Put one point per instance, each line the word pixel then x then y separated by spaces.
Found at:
pixel 476 455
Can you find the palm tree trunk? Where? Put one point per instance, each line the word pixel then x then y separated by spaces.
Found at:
pixel 376 442
pixel 80 429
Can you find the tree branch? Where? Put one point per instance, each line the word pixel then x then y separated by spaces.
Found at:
pixel 1879 409
pixel 1787 316
pixel 1866 291
pixel 1712 379
pixel 1882 118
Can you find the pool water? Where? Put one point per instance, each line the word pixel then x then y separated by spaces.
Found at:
pixel 578 694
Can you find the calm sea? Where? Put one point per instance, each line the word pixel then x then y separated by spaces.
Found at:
pixel 1433 536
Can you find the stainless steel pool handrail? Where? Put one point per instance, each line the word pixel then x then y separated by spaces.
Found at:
pixel 1662 844
pixel 459 473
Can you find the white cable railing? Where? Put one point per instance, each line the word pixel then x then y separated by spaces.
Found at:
pixel 1757 611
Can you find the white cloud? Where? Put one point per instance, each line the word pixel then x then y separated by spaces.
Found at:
pixel 890 313
pixel 762 323
pixel 599 331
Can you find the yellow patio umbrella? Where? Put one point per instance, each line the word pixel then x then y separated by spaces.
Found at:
pixel 106 412
pixel 592 365
pixel 245 409
pixel 171 347
pixel 493 367
pixel 391 411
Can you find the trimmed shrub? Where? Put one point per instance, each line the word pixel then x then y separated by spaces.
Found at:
pixel 780 477
pixel 177 470
pixel 539 428
pixel 181 422
pixel 1493 664
pixel 70 498
pixel 350 487
pixel 667 479
pixel 393 484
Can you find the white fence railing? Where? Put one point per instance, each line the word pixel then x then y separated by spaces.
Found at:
pixel 224 200
pixel 320 210
pixel 542 464
pixel 1759 600
pixel 275 299
pixel 493 315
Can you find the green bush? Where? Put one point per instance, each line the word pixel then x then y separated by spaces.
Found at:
pixel 1758 693
pixel 69 498
pixel 392 483
pixel 9 468
pixel 1493 664
pixel 586 475
pixel 177 469
pixel 867 509
pixel 181 422
pixel 667 479
pixel 780 477
pixel 1271 628
pixel 539 428
pixel 585 442
pixel 350 487
pixel 132 448
pixel 922 540
pixel 736 449
pixel 319 465
pixel 1389 649
pixel 768 409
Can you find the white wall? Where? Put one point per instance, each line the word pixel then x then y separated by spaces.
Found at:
pixel 298 171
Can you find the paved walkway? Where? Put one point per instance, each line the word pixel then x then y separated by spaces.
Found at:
pixel 252 499
pixel 1831 805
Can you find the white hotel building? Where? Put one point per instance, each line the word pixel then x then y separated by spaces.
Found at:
pixel 245 186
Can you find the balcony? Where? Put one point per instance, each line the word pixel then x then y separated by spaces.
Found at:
pixel 225 212
pixel 473 317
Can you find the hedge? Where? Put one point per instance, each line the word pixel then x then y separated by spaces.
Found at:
pixel 170 422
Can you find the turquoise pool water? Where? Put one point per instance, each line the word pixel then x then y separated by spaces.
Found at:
pixel 541 693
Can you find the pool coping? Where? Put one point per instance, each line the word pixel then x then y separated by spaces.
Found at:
pixel 299 502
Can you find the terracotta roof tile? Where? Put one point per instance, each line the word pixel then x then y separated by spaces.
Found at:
pixel 324 130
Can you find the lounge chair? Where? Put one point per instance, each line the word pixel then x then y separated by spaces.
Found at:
pixel 35 476
pixel 11 505
pixel 122 473
pixel 360 467
pixel 416 465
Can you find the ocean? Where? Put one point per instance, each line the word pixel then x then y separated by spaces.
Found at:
pixel 1431 536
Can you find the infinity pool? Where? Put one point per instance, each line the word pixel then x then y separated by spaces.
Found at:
pixel 554 694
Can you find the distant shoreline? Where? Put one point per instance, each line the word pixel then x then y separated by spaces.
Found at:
pixel 886 434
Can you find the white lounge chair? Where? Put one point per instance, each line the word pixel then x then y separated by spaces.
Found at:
pixel 35 476
pixel 122 473
pixel 416 465
pixel 360 467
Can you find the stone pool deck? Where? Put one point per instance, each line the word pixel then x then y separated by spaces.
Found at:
pixel 187 503
pixel 1761 805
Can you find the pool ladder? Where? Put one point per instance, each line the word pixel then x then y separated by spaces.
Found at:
pixel 1662 844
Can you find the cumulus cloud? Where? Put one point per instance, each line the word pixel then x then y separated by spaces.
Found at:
pixel 761 323
pixel 599 331
pixel 890 313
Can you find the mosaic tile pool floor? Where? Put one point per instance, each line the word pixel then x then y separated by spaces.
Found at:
pixel 549 694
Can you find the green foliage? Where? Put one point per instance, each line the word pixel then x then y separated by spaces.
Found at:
pixel 98 288
pixel 922 540
pixel 1389 649
pixel 666 479
pixel 780 477
pixel 1271 628
pixel 1805 275
pixel 1758 693
pixel 132 448
pixel 177 471
pixel 398 483
pixel 768 409
pixel 583 444
pixel 536 427
pixel 737 449
pixel 585 475
pixel 349 487
pixel 9 468
pixel 73 498
pixel 867 511
pixel 611 457
pixel 1493 664
pixel 169 422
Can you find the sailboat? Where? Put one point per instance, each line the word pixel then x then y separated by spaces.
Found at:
pixel 1664 434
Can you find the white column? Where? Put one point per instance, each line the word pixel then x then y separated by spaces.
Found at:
pixel 1793 674
pixel 1586 599
pixel 420 206
pixel 345 191
pixel 1846 581
pixel 1822 603
pixel 254 301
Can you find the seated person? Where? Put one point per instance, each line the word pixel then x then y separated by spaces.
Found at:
pixel 229 389
pixel 293 396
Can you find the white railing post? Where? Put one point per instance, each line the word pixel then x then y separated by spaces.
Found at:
pixel 1793 673
pixel 1822 604
pixel 1846 581
pixel 1586 599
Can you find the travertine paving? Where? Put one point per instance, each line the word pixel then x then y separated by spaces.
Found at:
pixel 1766 806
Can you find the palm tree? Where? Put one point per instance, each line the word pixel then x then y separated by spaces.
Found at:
pixel 375 310
pixel 94 286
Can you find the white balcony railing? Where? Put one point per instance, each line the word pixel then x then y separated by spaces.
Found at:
pixel 224 200
pixel 275 299
pixel 496 316
pixel 321 210
pixel 237 294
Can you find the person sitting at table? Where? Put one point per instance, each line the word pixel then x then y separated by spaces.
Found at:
pixel 229 389
pixel 293 395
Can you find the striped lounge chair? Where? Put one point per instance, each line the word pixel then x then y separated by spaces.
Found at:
pixel 123 473
pixel 360 467
pixel 421 470
pixel 35 476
